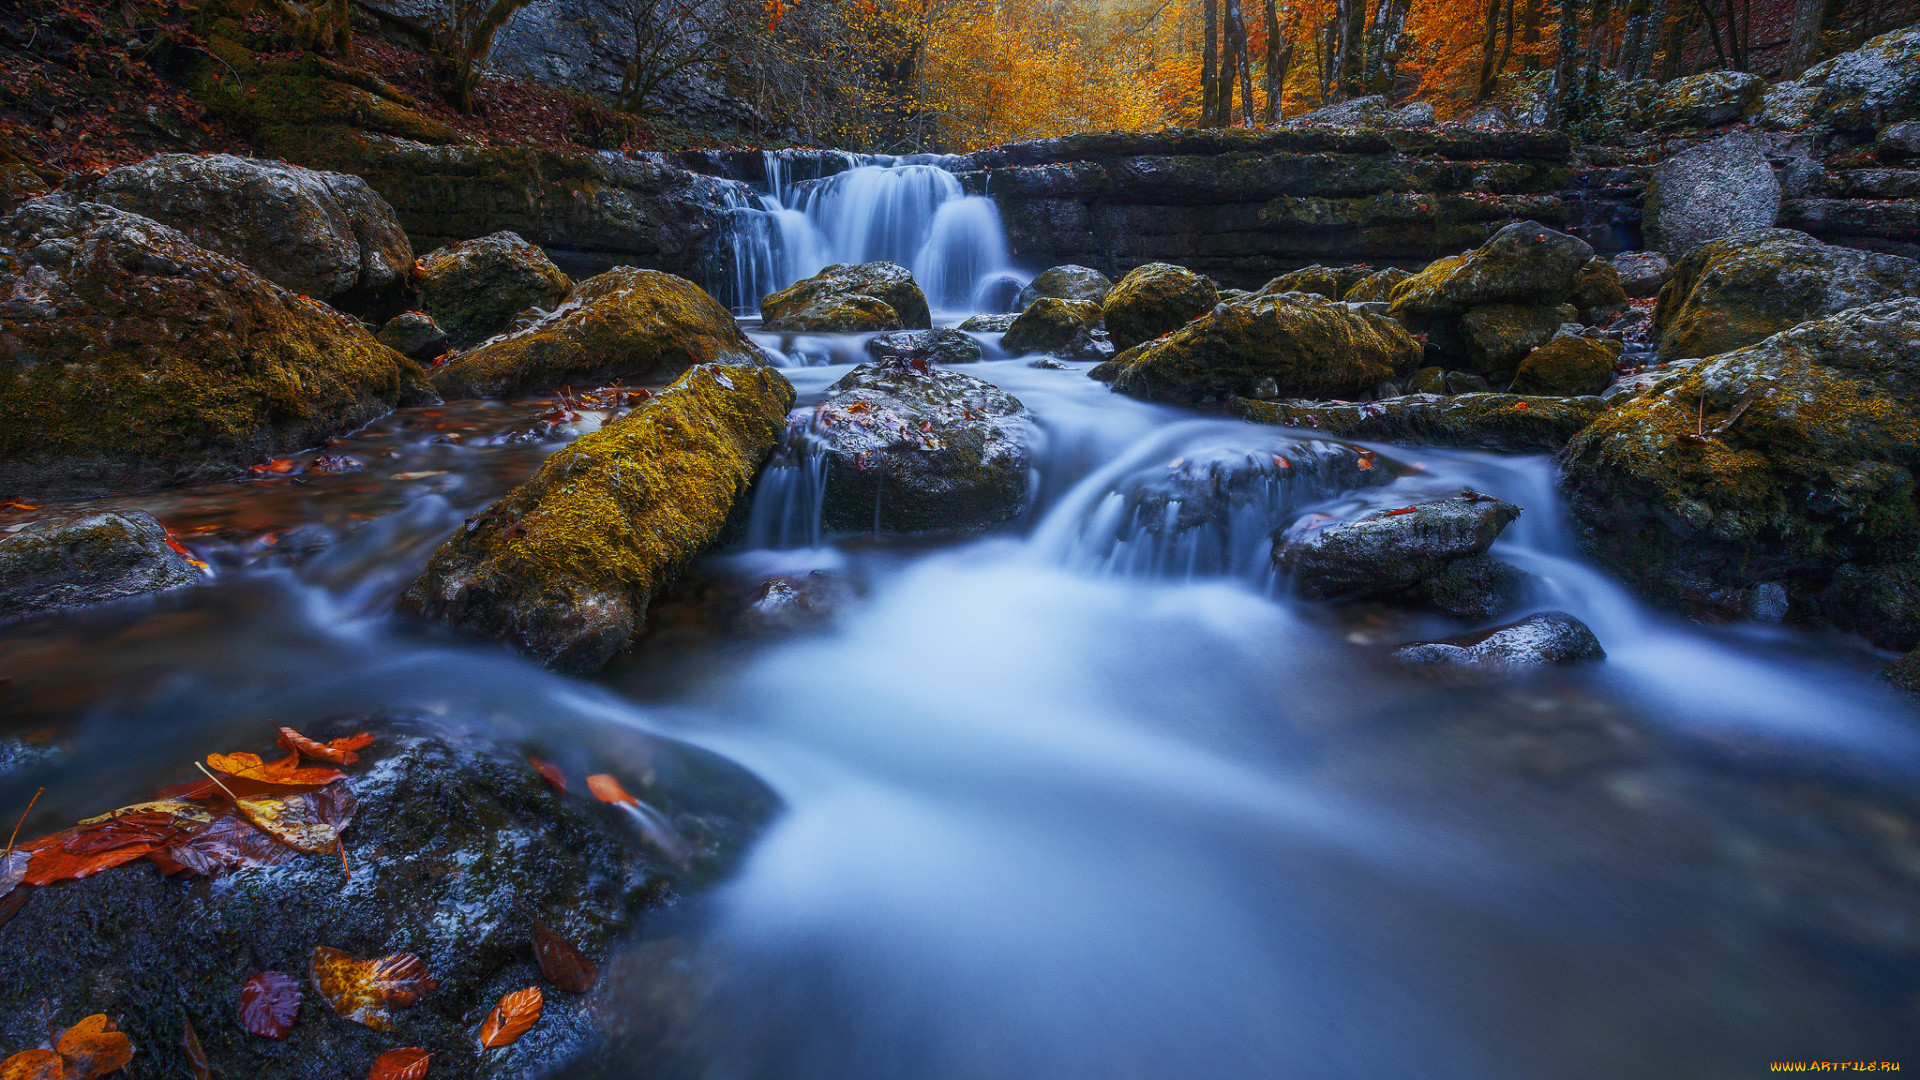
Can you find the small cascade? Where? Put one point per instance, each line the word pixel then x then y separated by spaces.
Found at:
pixel 789 493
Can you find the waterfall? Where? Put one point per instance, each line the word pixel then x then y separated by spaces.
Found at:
pixel 909 210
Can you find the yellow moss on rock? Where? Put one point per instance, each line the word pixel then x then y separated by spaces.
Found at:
pixel 563 566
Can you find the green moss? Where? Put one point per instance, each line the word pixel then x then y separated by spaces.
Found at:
pixel 1568 366
pixel 1049 325
pixel 1499 335
pixel 1510 423
pixel 849 298
pixel 1271 345
pixel 1156 299
pixel 474 289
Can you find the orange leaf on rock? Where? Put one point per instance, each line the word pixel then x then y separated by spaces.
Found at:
pixel 311 821
pixel 511 1018
pixel 268 1003
pixel 93 1047
pixel 563 965
pixel 552 773
pixel 286 771
pixel 607 789
pixel 406 1063
pixel 33 1065
pixel 89 849
pixel 367 990
pixel 339 751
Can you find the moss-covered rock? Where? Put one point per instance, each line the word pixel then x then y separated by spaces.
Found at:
pixel 1598 293
pixel 1706 100
pixel 849 298
pixel 911 448
pixel 454 838
pixel 1524 263
pixel 414 335
pixel 132 358
pixel 1156 299
pixel 1741 289
pixel 65 563
pixel 563 566
pixel 1376 287
pixel 1067 282
pixel 1567 366
pixel 1476 589
pixel 474 289
pixel 1788 464
pixel 626 324
pixel 1332 282
pixel 1509 423
pixel 1498 336
pixel 1048 325
pixel 307 106
pixel 1267 346
pixel 1872 86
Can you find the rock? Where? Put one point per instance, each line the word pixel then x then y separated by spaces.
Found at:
pixel 626 323
pixel 564 565
pixel 1899 143
pixel 1567 366
pixel 1709 191
pixel 1741 289
pixel 1332 282
pixel 474 289
pixel 1524 263
pixel 1788 462
pixel 453 838
pixel 910 451
pixel 55 564
pixel 1067 283
pixel 1476 588
pixel 1507 423
pixel 1642 273
pixel 988 324
pixel 849 298
pixel 1490 118
pixel 1058 327
pixel 1498 336
pixel 1110 370
pixel 1156 299
pixel 321 234
pixel 1291 344
pixel 1549 639
pixel 1598 293
pixel 1904 674
pixel 1707 100
pixel 1428 380
pixel 938 345
pixel 1875 85
pixel 133 358
pixel 1388 551
pixel 1414 114
pixel 414 335
pixel 1369 111
pixel 1375 287
pixel 1048 363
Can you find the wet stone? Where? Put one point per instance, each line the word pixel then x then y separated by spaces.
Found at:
pixel 1548 639
pixel 1388 551
pixel 56 564
pixel 938 345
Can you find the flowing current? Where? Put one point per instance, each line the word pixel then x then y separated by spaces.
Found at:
pixel 1090 797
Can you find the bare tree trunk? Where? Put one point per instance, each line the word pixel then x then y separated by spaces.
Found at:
pixel 1229 69
pixel 1237 40
pixel 1353 47
pixel 1635 32
pixel 1566 57
pixel 1210 63
pixel 1279 59
pixel 1676 40
pixel 1489 59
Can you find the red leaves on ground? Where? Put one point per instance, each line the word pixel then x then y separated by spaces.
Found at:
pixel 560 962
pixel 607 789
pixel 195 1053
pixel 511 1018
pixel 339 751
pixel 93 1047
pixel 230 843
pixel 89 849
pixel 366 990
pixel 268 1003
pixel 552 773
pixel 406 1063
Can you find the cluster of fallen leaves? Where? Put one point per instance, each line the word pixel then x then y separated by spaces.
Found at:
pixel 93 1047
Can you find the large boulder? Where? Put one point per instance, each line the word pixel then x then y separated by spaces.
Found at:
pixel 72 562
pixel 849 298
pixel 1899 143
pixel 1524 263
pixel 1156 299
pixel 134 358
pixel 1388 551
pixel 454 844
pixel 414 335
pixel 1740 289
pixel 1067 282
pixel 1706 192
pixel 323 234
pixel 563 566
pixel 1642 273
pixel 626 324
pixel 1060 327
pixel 912 448
pixel 938 345
pixel 1508 423
pixel 1498 336
pixel 1875 85
pixel 1785 466
pixel 1567 366
pixel 1548 639
pixel 1265 346
pixel 474 289
pixel 1706 100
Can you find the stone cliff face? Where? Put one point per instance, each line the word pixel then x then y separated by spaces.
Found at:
pixel 1242 206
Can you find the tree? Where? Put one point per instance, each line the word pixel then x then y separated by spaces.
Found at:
pixel 465 40
pixel 671 37
pixel 1803 40
pixel 1279 59
pixel 1210 65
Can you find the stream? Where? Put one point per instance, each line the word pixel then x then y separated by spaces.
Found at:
pixel 1090 797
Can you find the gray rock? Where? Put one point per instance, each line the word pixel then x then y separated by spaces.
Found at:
pixel 1706 192
pixel 938 345
pixel 55 564
pixel 1361 111
pixel 1067 283
pixel 1390 550
pixel 1707 100
pixel 475 288
pixel 1549 639
pixel 1048 363
pixel 1508 423
pixel 1899 142
pixel 414 335
pixel 1476 588
pixel 911 451
pixel 1642 273
pixel 324 234
pixel 989 324
pixel 1490 118
pixel 1875 85
pixel 1414 114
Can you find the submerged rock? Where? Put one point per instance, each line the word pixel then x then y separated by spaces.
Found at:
pixel 564 565
pixel 1788 463
pixel 849 298
pixel 1066 283
pixel 414 335
pixel 134 358
pixel 1057 327
pixel 1567 366
pixel 1739 290
pixel 910 450
pixel 1291 343
pixel 1508 423
pixel 55 564
pixel 624 324
pixel 1549 639
pixel 322 234
pixel 1156 299
pixel 1389 551
pixel 474 289
pixel 1707 192
pixel 938 345
pixel 453 841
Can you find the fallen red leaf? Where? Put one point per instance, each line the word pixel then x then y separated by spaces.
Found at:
pixel 93 1047
pixel 366 990
pixel 339 751
pixel 1402 510
pixel 11 505
pixel 406 1063
pixel 552 773
pixel 268 1003
pixel 607 789
pixel 33 1065
pixel 196 1054
pixel 88 849
pixel 280 465
pixel 511 1018
pixel 560 962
